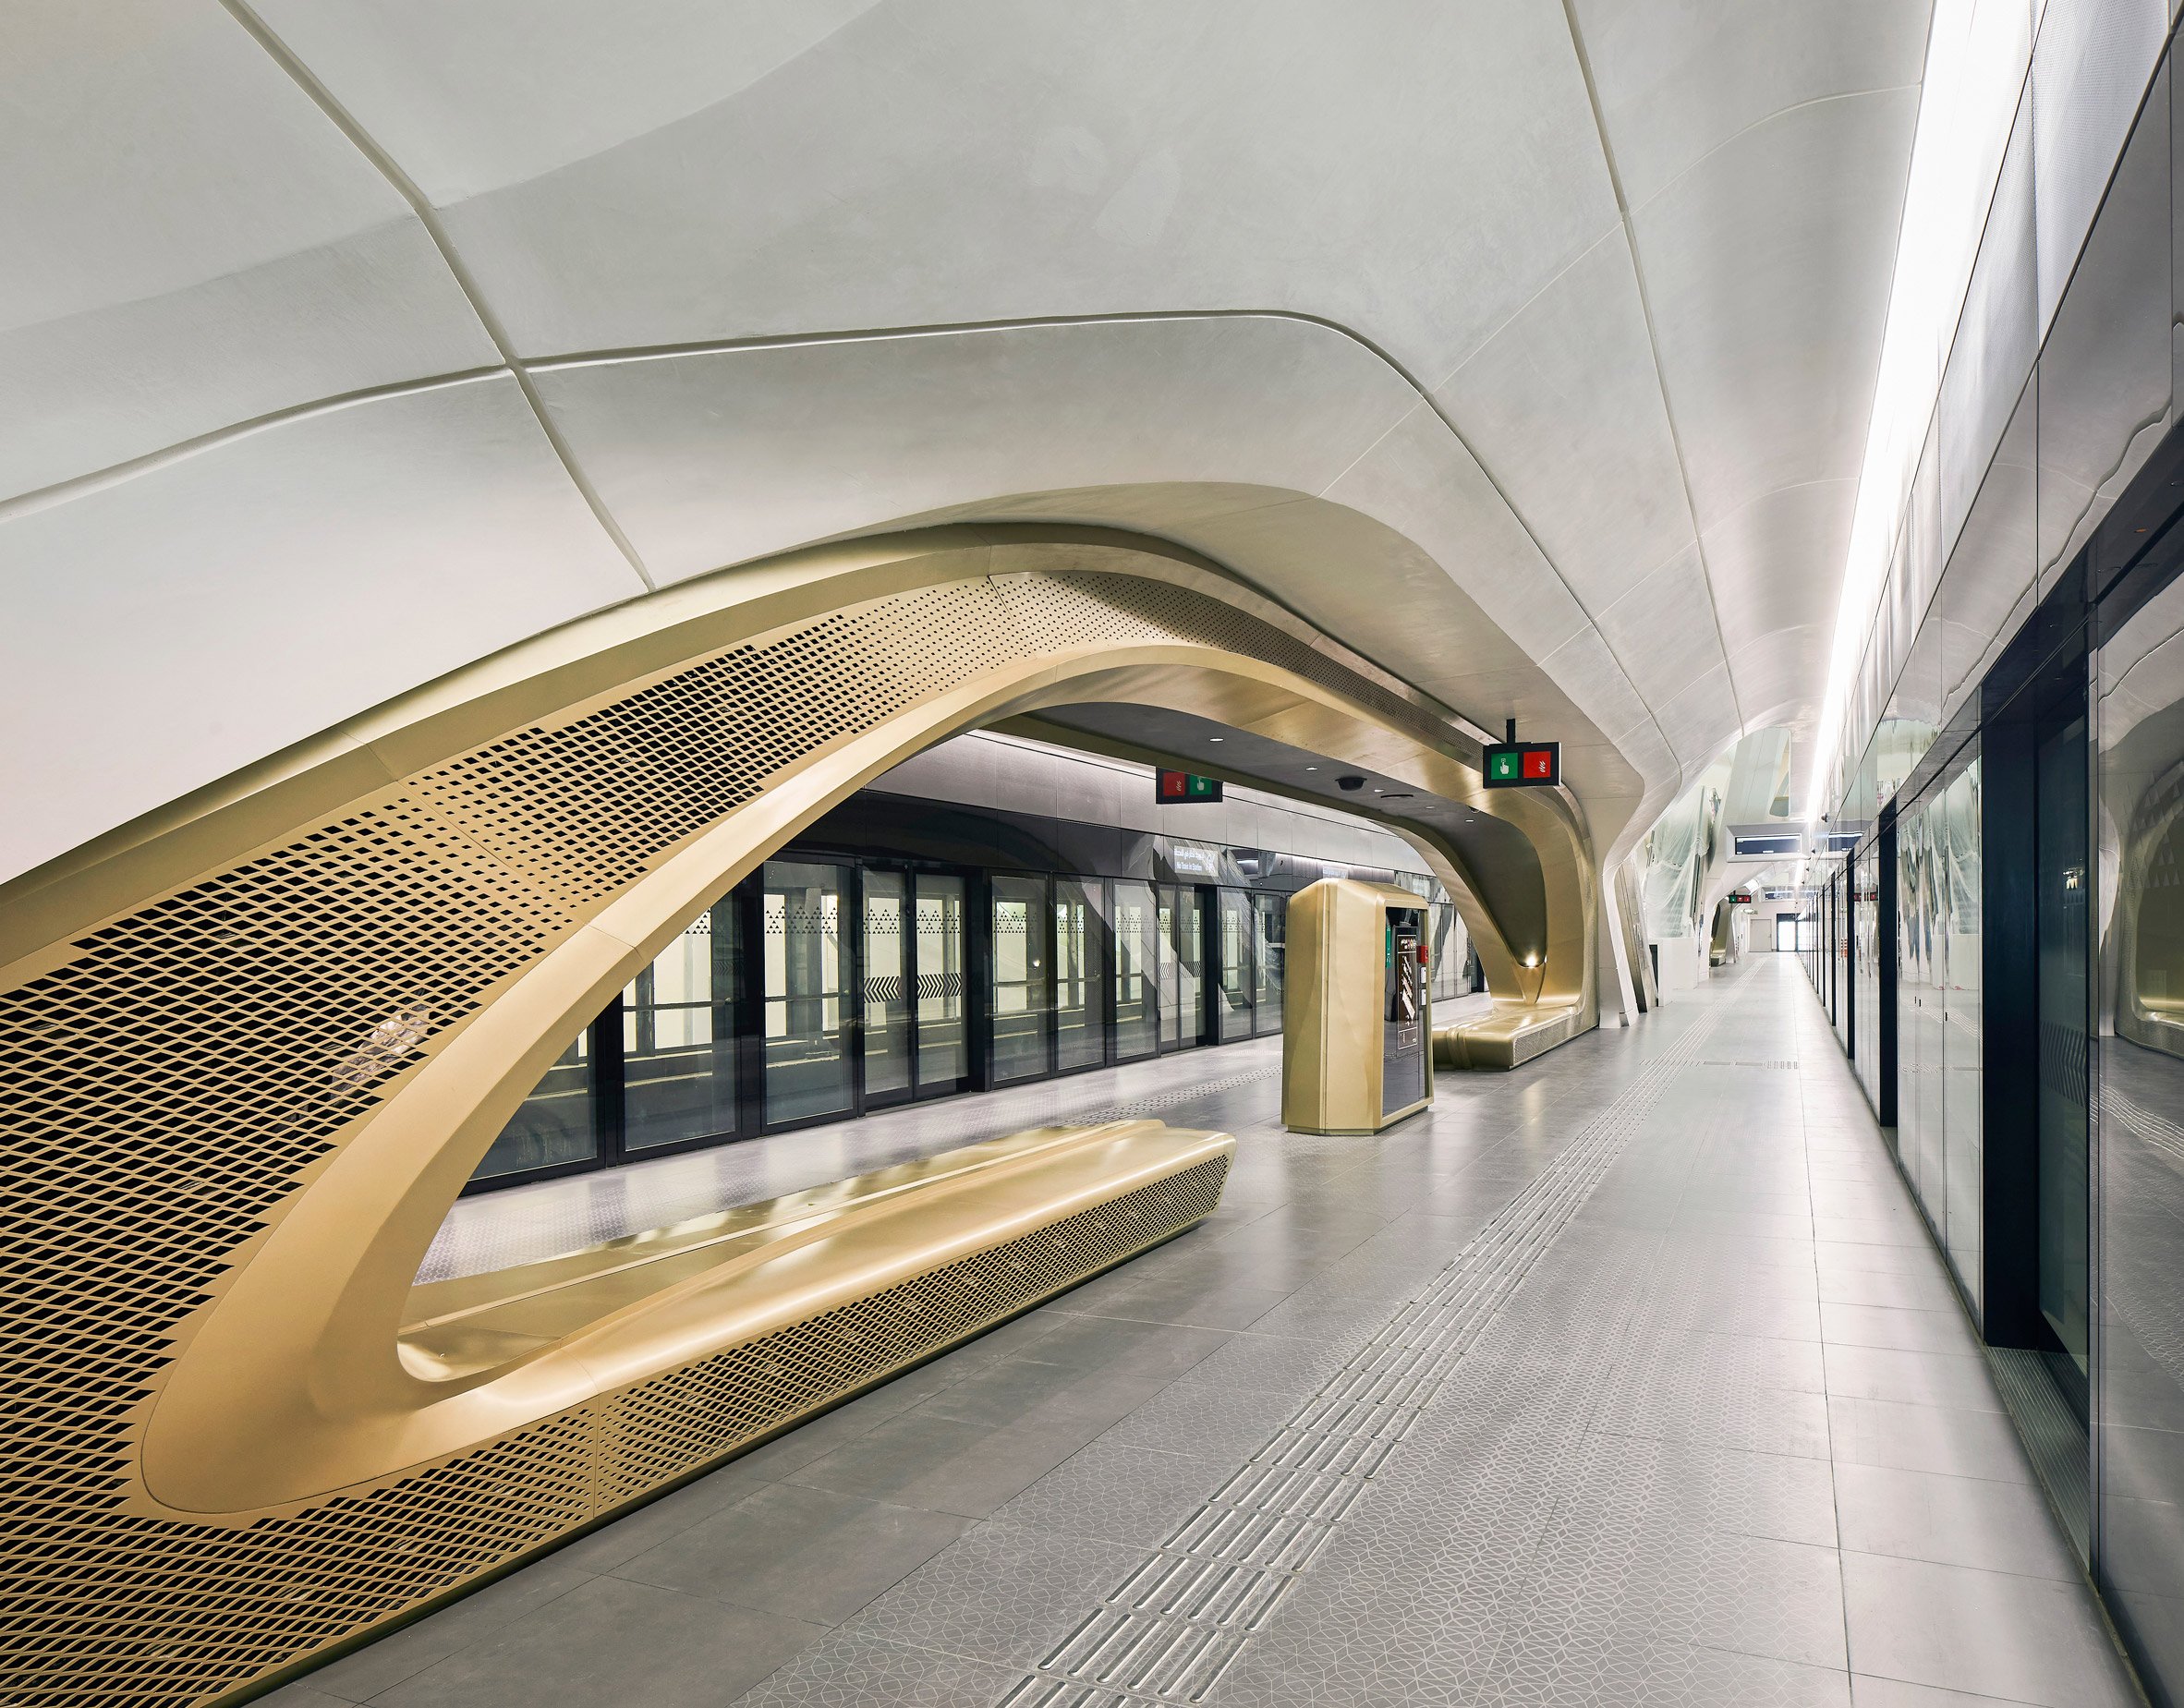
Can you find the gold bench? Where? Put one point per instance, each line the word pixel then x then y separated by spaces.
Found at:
pixel 1512 1035
pixel 705 1338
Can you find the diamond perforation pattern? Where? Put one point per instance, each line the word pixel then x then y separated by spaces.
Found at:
pixel 164 1091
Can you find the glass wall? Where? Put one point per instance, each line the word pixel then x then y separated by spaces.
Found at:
pixel 1182 967
pixel 823 988
pixel 678 1039
pixel 1080 973
pixel 943 986
pixel 2138 1407
pixel 1018 995
pixel 1270 924
pixel 889 945
pixel 1939 948
pixel 1865 1004
pixel 554 1128
pixel 1238 983
pixel 1138 971
pixel 806 1046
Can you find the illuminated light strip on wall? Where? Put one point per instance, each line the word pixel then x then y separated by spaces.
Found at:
pixel 1978 53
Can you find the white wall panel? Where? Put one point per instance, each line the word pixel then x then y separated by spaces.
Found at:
pixel 1997 336
pixel 1663 628
pixel 2089 65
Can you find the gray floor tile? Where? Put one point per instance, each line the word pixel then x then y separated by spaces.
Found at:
pixel 1867 1691
pixel 1625 1490
pixel 1911 1378
pixel 1952 1520
pixel 807 1553
pixel 946 1465
pixel 625 1538
pixel 611 1640
pixel 1896 1328
pixel 1226 1425
pixel 848 1669
pixel 1990 1633
pixel 1952 1440
pixel 1197 1303
pixel 1128 1347
pixel 1018 1391
pixel 1115 1493
pixel 476 1618
pixel 1003 1594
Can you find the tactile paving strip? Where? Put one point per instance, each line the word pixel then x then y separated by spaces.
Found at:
pixel 1174 1626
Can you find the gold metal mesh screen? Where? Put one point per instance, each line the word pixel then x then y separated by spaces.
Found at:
pixel 163 1091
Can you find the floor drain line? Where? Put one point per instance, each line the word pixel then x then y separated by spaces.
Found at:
pixel 1174 1626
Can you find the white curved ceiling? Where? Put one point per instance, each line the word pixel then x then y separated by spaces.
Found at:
pixel 1528 347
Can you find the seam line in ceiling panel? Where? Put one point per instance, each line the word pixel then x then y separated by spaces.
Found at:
pixel 1653 345
pixel 182 450
pixel 522 370
pixel 1763 122
pixel 428 216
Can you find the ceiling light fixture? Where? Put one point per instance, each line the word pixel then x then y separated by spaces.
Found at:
pixel 1217 738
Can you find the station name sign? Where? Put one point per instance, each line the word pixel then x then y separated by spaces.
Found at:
pixel 1182 789
pixel 1524 764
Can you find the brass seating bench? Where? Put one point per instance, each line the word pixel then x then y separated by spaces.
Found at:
pixel 775 1311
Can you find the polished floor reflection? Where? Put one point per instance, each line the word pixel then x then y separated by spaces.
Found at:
pixel 1631 1377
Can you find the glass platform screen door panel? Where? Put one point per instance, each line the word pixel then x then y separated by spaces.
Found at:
pixel 1080 973
pixel 1233 997
pixel 678 1039
pixel 1021 999
pixel 943 1059
pixel 890 951
pixel 1136 972
pixel 1269 918
pixel 805 970
pixel 1182 967
pixel 555 1127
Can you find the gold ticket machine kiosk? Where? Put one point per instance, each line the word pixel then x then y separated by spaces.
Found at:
pixel 1356 1034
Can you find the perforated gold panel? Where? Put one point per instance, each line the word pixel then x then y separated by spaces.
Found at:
pixel 661 1429
pixel 171 1086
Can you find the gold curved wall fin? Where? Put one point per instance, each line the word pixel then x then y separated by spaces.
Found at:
pixel 262 1037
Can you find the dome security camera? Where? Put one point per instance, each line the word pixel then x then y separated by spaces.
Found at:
pixel 1350 785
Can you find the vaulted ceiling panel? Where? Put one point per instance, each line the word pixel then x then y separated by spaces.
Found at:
pixel 1663 628
pixel 214 611
pixel 923 165
pixel 712 458
pixel 1269 224
pixel 1767 268
pixel 1563 407
pixel 1677 82
pixel 190 243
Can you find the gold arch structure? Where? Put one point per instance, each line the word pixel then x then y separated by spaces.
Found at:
pixel 259 1040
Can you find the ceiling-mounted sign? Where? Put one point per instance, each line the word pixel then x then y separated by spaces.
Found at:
pixel 1182 789
pixel 1739 898
pixel 1524 764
